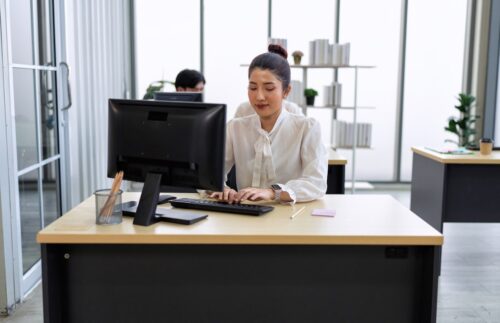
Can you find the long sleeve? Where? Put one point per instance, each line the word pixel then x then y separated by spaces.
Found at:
pixel 312 183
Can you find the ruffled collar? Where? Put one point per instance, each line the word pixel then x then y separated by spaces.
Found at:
pixel 264 170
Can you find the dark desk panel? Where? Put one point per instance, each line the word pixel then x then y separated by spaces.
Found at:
pixel 238 283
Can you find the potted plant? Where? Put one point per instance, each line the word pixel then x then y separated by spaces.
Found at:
pixel 297 56
pixel 155 87
pixel 310 94
pixel 463 126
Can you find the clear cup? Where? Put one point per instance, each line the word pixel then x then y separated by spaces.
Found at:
pixel 108 207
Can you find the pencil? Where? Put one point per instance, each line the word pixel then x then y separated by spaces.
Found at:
pixel 300 210
pixel 108 207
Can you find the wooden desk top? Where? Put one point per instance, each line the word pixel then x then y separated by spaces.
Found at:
pixel 359 220
pixel 475 158
pixel 334 158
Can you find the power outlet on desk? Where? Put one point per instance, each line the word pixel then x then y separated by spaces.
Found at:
pixel 396 252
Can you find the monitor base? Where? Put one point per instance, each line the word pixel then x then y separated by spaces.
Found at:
pixel 164 198
pixel 169 215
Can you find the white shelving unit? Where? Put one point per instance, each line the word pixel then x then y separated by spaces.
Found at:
pixel 355 106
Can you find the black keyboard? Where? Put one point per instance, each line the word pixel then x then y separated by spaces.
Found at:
pixel 249 209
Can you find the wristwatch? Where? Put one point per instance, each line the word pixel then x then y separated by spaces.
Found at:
pixel 277 191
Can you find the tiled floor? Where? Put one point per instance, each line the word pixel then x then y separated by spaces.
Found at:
pixel 469 286
pixel 30 311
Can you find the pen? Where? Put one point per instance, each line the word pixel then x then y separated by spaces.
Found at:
pixel 300 210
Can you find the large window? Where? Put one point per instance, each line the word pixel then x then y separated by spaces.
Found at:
pixel 289 22
pixel 374 41
pixel 235 32
pixel 434 60
pixel 167 40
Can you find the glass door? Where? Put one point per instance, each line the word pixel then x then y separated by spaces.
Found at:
pixel 34 30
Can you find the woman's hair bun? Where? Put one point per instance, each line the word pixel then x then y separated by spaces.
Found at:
pixel 277 49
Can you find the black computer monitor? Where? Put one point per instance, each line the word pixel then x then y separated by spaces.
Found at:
pixel 179 96
pixel 166 143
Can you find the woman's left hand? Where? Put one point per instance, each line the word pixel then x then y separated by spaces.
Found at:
pixel 254 194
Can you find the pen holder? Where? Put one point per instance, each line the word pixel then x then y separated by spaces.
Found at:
pixel 108 207
pixel 485 146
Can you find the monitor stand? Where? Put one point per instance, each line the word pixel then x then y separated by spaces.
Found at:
pixel 130 206
pixel 164 198
pixel 146 212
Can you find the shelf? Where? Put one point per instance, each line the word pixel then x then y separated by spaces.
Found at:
pixel 359 185
pixel 353 108
pixel 350 147
pixel 335 107
pixel 323 66
pixel 331 66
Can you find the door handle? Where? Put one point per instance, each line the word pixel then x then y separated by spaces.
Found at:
pixel 67 102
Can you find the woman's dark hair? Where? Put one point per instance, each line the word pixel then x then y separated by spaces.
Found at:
pixel 274 61
pixel 189 78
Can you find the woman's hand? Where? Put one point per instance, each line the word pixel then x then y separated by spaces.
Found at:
pixel 227 195
pixel 254 194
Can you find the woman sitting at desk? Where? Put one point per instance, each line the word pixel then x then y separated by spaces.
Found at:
pixel 278 155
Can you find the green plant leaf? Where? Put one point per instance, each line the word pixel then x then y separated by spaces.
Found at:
pixel 309 92
pixel 452 126
pixel 155 87
pixel 463 126
pixel 462 123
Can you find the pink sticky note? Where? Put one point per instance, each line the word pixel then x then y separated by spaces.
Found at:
pixel 323 212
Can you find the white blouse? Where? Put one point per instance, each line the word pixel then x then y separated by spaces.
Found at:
pixel 292 155
pixel 246 109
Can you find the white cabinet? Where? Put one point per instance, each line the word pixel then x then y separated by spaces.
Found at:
pixel 354 108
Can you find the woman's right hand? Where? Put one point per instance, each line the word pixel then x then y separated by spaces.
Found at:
pixel 227 195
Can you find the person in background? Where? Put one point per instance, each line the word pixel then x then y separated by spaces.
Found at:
pixel 277 155
pixel 189 81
